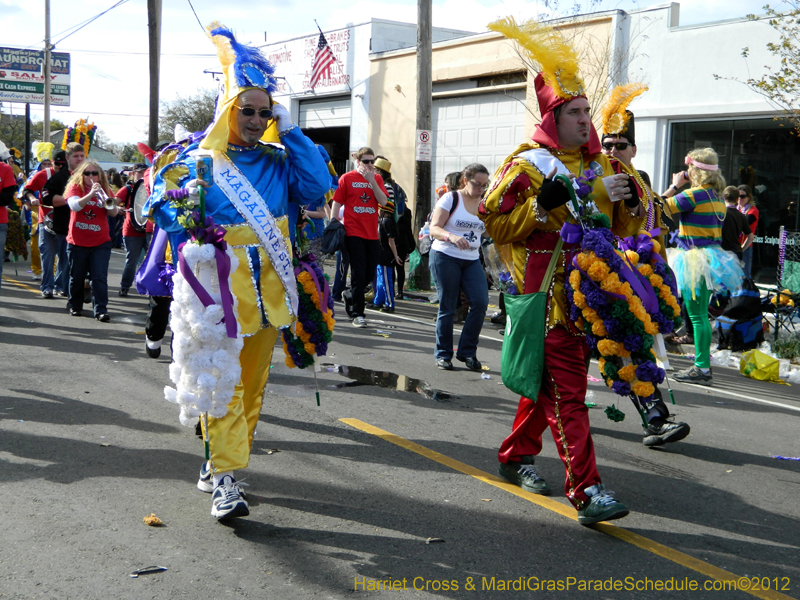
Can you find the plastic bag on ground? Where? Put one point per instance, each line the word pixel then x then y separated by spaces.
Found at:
pixel 762 367
pixel 793 376
pixel 720 358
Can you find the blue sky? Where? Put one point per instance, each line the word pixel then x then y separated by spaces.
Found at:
pixel 109 56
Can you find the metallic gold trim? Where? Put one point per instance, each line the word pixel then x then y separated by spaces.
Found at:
pixel 564 445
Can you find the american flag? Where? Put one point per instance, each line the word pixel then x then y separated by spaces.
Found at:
pixel 323 60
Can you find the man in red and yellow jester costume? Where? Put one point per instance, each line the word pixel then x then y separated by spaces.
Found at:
pixel 525 206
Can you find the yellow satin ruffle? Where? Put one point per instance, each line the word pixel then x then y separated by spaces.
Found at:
pixel 243 281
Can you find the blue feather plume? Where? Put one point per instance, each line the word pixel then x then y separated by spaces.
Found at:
pixel 251 68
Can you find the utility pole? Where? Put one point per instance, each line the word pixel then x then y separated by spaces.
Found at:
pixel 422 205
pixel 27 140
pixel 46 71
pixel 154 32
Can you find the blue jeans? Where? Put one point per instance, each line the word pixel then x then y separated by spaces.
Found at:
pixel 453 275
pixel 134 246
pixel 94 260
pixel 3 234
pixel 50 246
pixel 747 257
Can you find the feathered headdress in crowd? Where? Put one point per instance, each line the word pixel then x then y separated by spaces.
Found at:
pixel 550 55
pixel 558 81
pixel 42 151
pixel 244 67
pixel 617 119
pixel 83 132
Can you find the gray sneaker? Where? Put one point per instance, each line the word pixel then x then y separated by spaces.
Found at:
pixel 601 506
pixel 360 322
pixel 665 433
pixel 525 475
pixel 694 375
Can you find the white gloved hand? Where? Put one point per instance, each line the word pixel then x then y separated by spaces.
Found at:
pixel 194 196
pixel 282 117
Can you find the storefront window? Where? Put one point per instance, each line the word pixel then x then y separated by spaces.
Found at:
pixel 761 153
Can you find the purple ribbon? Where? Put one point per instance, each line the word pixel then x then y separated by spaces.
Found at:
pixel 571 233
pixel 223 271
pixel 322 289
pixel 595 284
pixel 642 244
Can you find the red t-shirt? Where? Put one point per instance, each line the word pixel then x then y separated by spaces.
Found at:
pixel 360 205
pixel 7 179
pixel 87 227
pixel 127 226
pixel 36 184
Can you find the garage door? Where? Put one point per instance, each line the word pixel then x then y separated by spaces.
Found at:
pixel 331 112
pixel 482 128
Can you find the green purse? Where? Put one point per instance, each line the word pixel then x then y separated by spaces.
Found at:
pixel 522 356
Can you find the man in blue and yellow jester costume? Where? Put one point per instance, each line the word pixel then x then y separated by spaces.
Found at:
pixel 619 144
pixel 246 201
pixel 526 207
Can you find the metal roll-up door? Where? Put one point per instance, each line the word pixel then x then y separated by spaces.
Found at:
pixel 476 128
pixel 328 112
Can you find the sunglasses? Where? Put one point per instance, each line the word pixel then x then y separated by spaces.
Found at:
pixel 617 145
pixel 480 186
pixel 368 161
pixel 91 173
pixel 249 111
pixel 743 196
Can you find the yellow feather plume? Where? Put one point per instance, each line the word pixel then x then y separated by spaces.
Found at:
pixel 225 53
pixel 615 119
pixel 554 58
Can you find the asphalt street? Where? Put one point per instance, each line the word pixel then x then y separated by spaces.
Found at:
pixel 350 498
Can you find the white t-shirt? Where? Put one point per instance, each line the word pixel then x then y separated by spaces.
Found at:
pixel 460 223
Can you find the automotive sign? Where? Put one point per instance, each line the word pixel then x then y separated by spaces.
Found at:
pixel 22 76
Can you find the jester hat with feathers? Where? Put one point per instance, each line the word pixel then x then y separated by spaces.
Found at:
pixel 558 80
pixel 617 119
pixel 244 67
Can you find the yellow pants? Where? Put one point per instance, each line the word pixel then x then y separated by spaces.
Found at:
pixel 231 437
pixel 36 261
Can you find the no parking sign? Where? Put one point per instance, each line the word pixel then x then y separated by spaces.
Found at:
pixel 424 144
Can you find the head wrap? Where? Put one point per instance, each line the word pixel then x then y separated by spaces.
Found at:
pixel 558 80
pixel 244 67
pixel 617 119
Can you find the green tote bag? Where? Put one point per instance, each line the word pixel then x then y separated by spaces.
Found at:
pixel 522 356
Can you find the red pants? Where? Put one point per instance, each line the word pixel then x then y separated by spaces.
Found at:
pixel 560 405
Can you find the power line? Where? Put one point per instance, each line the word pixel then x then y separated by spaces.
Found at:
pixel 196 17
pixel 79 26
pixel 136 53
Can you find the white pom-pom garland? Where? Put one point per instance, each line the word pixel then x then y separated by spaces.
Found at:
pixel 206 366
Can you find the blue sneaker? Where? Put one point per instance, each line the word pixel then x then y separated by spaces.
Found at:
pixel 229 500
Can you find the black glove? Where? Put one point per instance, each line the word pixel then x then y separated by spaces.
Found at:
pixel 633 201
pixel 552 195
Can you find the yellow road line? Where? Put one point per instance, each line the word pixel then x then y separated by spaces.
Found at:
pixel 20 284
pixel 624 535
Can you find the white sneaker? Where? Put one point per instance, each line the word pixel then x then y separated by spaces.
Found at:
pixel 229 500
pixel 206 481
pixel 360 322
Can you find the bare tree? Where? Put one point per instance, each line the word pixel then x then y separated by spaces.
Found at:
pixel 781 84
pixel 195 113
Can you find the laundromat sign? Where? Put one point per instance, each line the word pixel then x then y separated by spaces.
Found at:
pixel 22 76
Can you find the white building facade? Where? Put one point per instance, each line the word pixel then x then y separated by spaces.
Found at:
pixel 336 112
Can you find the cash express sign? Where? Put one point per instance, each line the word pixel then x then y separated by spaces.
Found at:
pixel 22 76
